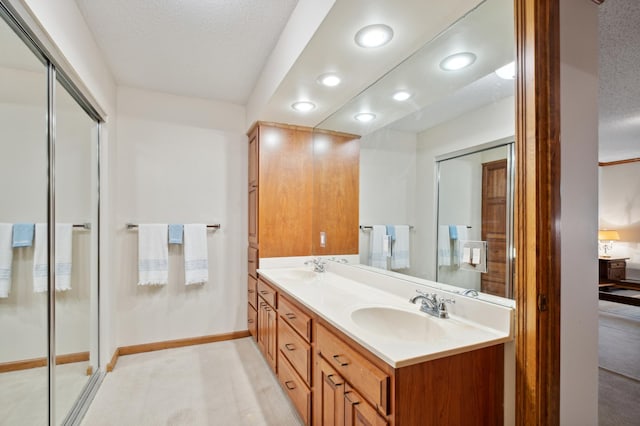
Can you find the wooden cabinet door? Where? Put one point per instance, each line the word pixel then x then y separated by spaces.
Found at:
pixel 271 339
pixel 253 158
pixel 330 396
pixel 336 188
pixel 285 194
pixel 253 216
pixel 357 412
pixel 252 321
pixel 262 325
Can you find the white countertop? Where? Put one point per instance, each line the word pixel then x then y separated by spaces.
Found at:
pixel 472 324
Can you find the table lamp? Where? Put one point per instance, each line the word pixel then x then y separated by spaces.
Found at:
pixel 608 236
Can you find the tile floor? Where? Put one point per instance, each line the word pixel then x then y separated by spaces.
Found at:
pixel 225 383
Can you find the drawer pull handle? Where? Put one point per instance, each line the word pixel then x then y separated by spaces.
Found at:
pixel 264 292
pixel 349 400
pixel 289 347
pixel 333 382
pixel 342 363
pixel 290 385
pixel 290 315
pixel 252 291
pixel 250 321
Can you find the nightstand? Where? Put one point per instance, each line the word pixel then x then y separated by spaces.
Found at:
pixel 612 269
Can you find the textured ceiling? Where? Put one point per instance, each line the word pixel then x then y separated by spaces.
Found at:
pixel 207 49
pixel 619 96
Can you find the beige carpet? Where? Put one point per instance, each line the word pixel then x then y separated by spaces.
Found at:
pixel 225 383
pixel 619 359
pixel 24 394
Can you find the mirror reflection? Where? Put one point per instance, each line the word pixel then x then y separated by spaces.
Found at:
pixel 455 95
pixel 23 187
pixel 28 394
pixel 77 248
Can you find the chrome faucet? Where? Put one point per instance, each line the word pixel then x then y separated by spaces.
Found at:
pixel 319 265
pixel 470 292
pixel 432 304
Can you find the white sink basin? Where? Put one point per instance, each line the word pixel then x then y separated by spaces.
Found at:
pixel 405 325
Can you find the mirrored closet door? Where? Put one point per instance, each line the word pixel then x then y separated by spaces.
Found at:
pixel 49 144
pixel 23 191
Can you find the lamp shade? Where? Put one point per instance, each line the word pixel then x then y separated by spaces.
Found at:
pixel 608 235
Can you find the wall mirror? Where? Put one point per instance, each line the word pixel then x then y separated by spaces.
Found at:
pixel 453 96
pixel 48 181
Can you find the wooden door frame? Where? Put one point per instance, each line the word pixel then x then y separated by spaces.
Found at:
pixel 537 212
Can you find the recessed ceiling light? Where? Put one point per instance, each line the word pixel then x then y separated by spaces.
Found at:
pixel 365 117
pixel 507 72
pixel 329 79
pixel 401 95
pixel 375 35
pixel 303 106
pixel 457 61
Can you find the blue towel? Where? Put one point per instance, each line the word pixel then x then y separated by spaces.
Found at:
pixel 453 232
pixel 175 233
pixel 391 232
pixel 23 234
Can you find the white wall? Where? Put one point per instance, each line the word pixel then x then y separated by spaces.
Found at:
pixel 579 205
pixel 619 207
pixel 387 183
pixel 180 160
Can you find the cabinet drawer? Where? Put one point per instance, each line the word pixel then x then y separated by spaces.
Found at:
pixel 268 293
pixel 252 292
pixel 295 349
pixel 297 391
pixel 300 321
pixel 617 264
pixel 371 382
pixel 252 321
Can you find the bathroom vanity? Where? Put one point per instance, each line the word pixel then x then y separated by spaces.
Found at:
pixel 350 349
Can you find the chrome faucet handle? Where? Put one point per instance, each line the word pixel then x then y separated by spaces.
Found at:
pixel 442 307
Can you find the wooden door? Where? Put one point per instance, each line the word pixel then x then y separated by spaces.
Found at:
pixel 357 412
pixel 494 226
pixel 329 396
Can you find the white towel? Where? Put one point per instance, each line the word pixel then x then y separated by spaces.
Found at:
pixel 401 254
pixel 377 252
pixel 153 254
pixel 444 246
pixel 40 261
pixel 63 258
pixel 196 256
pixel 6 257
pixel 463 235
